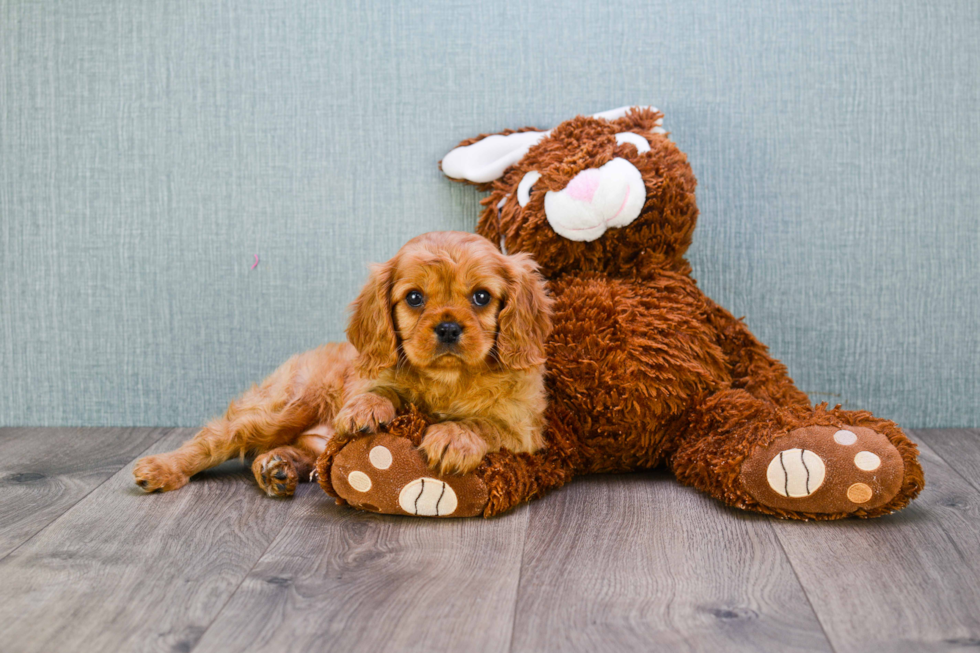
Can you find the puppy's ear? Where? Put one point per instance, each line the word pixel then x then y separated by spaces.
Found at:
pixel 371 329
pixel 525 321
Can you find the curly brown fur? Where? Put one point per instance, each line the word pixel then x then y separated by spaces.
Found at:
pixel 655 242
pixel 643 368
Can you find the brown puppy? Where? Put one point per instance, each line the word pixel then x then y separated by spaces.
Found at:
pixel 449 324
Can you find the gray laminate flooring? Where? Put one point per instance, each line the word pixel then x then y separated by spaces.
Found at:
pixel 608 563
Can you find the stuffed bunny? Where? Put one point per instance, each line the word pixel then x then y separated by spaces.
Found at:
pixel 643 369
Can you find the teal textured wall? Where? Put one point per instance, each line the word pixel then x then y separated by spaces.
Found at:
pixel 149 150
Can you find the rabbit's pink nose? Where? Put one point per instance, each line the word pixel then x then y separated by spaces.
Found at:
pixel 583 186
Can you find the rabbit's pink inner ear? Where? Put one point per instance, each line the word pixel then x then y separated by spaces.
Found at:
pixel 488 159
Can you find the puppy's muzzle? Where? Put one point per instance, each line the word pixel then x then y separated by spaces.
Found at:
pixel 448 333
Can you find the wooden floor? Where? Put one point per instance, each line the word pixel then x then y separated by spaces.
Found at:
pixel 610 563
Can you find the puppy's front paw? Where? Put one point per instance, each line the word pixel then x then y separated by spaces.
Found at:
pixel 364 414
pixel 452 448
pixel 156 473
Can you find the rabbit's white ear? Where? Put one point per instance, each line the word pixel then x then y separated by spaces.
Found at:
pixel 615 114
pixel 487 159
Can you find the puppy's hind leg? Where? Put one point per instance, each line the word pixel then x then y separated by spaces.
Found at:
pixel 265 417
pixel 171 471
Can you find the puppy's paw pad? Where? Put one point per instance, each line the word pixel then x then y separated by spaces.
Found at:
pixel 155 473
pixel 276 474
pixel 385 473
pixel 821 469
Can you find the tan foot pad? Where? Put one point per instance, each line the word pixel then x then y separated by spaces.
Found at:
pixel 823 469
pixel 384 473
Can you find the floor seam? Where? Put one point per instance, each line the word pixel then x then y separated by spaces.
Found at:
pixel 167 431
pixel 231 595
pixel 799 581
pixel 936 453
pixel 520 577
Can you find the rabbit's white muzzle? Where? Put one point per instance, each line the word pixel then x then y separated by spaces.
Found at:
pixel 596 199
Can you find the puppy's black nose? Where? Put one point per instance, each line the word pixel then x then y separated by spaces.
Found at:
pixel 448 332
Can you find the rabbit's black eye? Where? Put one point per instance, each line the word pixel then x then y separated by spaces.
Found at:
pixel 524 188
pixel 481 298
pixel 414 299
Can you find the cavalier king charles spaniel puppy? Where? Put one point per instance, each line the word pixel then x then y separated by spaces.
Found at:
pixel 449 324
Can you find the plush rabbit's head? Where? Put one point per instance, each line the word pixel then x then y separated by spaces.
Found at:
pixel 606 193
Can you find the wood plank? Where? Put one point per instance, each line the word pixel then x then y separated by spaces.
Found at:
pixel 45 471
pixel 341 580
pixel 124 571
pixel 905 582
pixel 638 562
pixel 960 448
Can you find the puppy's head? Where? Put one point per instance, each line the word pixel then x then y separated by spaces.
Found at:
pixel 451 301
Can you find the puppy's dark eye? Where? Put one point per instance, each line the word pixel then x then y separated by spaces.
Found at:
pixel 414 299
pixel 481 298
